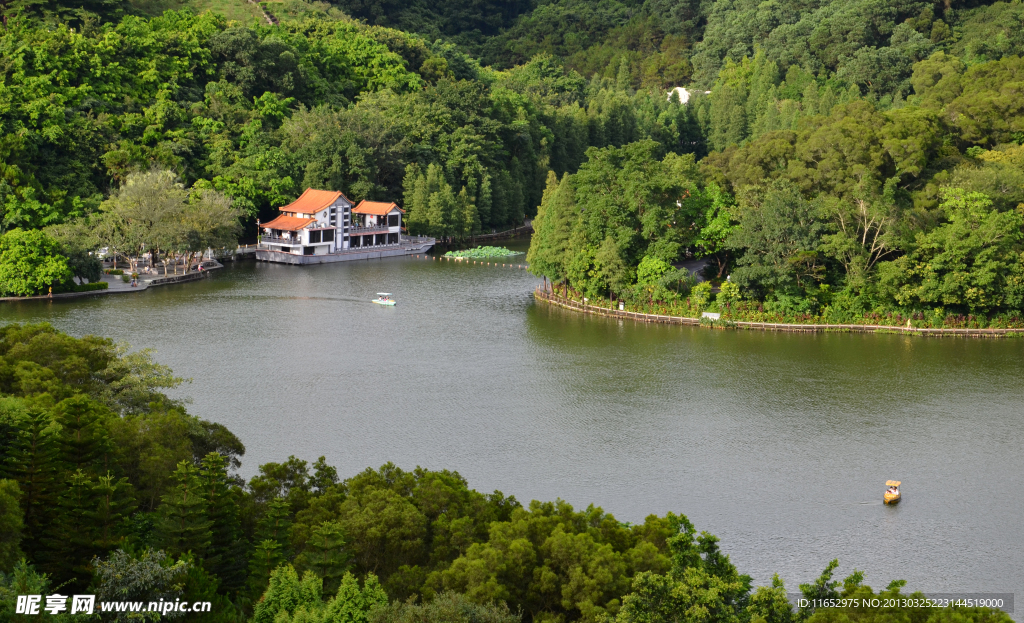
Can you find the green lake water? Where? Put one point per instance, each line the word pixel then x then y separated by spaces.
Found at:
pixel 780 444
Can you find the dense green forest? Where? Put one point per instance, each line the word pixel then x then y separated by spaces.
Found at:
pixel 109 487
pixel 852 161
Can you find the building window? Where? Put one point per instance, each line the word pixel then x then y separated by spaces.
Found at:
pixel 314 236
pixel 328 235
pixel 392 220
pixel 308 250
pixel 392 238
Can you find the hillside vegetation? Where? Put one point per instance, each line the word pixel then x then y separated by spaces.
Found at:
pixel 860 157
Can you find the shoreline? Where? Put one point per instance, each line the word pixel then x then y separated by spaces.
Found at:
pixel 773 326
pixel 143 286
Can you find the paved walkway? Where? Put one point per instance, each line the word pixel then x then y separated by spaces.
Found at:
pixel 115 285
pixel 114 282
pixel 771 326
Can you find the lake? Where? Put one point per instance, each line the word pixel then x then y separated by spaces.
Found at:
pixel 780 444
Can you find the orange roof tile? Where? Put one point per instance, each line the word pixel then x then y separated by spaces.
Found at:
pixel 379 208
pixel 288 223
pixel 312 200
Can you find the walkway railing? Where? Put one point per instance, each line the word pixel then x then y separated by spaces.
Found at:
pixel 509 233
pixel 280 240
pixel 364 231
pixel 554 299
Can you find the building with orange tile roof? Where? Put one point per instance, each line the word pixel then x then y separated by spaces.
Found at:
pixel 323 226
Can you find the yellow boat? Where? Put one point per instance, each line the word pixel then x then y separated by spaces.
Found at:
pixel 892 494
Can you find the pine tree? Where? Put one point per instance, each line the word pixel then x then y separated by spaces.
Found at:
pixel 537 254
pixel 426 186
pixel 33 462
pixel 412 173
pixel 552 227
pixel 85 524
pixel 11 525
pixel 517 198
pixel 272 538
pixel 468 220
pixel 276 522
pixel 326 555
pixel 113 499
pixel 84 440
pixel 729 104
pixel 225 557
pixel 415 185
pixel 184 525
pixel 265 559
pixel 442 211
pixel 352 603
pixel 483 203
pixel 623 80
pixel 69 544
pixel 286 593
pixel 499 203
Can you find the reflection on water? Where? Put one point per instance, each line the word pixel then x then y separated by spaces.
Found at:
pixel 780 444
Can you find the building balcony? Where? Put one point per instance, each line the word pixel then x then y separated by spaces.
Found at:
pixel 365 231
pixel 280 240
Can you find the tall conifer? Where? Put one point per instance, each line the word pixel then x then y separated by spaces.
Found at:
pixel 442 211
pixel 468 222
pixel 326 555
pixel 483 202
pixel 517 196
pixel 33 462
pixel 84 440
pixel 70 544
pixel 552 227
pixel 225 557
pixel 272 543
pixel 266 557
pixel 415 197
pixel 275 523
pixel 184 525
pixel 499 203
pixel 11 524
pixel 537 253
pixel 113 499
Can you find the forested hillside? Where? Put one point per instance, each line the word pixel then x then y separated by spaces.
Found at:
pixel 881 133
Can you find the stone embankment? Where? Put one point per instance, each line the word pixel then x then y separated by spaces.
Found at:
pixel 115 285
pixel 772 326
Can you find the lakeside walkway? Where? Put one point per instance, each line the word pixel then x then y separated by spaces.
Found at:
pixel 547 297
pixel 116 285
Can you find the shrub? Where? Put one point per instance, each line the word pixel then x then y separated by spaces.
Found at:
pixel 729 293
pixel 31 263
pixel 700 295
pixel 89 287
